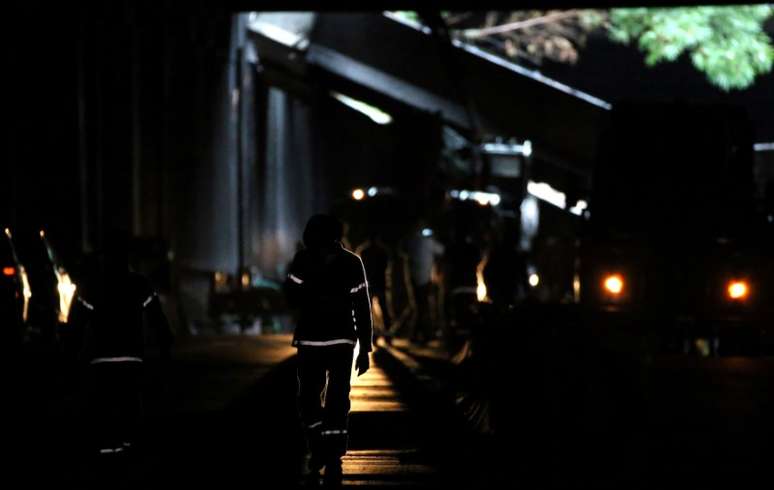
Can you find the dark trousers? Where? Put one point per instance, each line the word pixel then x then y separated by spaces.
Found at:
pixel 422 328
pixel 323 398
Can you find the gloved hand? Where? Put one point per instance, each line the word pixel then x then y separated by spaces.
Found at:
pixel 362 363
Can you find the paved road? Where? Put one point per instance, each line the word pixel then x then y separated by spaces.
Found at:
pixel 226 417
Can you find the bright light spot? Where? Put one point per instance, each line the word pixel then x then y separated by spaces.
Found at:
pixel 526 148
pixel 42 234
pixel 614 284
pixel 481 292
pixel 579 207
pixel 763 146
pixel 358 194
pixel 372 191
pixel 276 33
pixel 545 192
pixel 66 290
pixel 738 289
pixel 8 233
pixel 375 114
pixel 483 198
pixel 534 280
pixel 427 232
pixel 9 271
pixel 576 287
pixel 26 293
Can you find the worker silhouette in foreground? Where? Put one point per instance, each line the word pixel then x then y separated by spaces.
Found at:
pixel 116 311
pixel 327 286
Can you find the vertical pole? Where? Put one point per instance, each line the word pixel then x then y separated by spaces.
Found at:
pixel 240 142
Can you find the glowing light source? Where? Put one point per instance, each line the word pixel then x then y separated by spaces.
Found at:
pixel 374 113
pixel 545 192
pixel 534 280
pixel 245 279
pixel 426 232
pixel 358 194
pixel 579 207
pixel 524 149
pixel 738 290
pixel 614 284
pixel 372 191
pixel 9 271
pixel 482 198
pixel 66 290
pixel 26 294
pixel 481 292
pixel 8 233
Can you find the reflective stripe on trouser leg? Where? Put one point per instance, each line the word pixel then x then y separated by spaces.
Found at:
pixel 337 404
pixel 334 442
pixel 311 381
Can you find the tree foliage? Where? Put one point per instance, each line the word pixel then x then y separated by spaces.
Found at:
pixel 727 43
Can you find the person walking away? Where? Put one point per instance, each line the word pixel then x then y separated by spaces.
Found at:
pixel 326 285
pixel 114 310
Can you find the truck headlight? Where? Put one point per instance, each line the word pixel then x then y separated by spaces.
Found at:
pixel 613 284
pixel 737 290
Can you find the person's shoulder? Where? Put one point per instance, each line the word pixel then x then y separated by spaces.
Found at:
pixel 349 254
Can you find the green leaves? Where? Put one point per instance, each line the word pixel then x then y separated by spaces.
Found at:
pixel 727 43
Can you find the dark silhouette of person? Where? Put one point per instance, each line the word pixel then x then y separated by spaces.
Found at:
pixel 327 286
pixel 462 263
pixel 376 257
pixel 115 310
pixel 505 273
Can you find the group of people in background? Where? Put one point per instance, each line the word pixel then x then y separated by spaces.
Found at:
pixel 421 286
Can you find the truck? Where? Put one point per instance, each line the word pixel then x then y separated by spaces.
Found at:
pixel 675 256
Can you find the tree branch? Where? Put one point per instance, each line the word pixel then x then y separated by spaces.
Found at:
pixel 522 24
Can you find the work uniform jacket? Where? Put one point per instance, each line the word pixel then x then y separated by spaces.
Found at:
pixel 329 290
pixel 117 318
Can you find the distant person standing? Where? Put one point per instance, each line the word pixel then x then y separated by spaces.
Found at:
pixel 376 258
pixel 327 286
pixel 422 251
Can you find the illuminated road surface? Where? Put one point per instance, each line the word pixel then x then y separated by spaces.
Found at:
pixel 383 447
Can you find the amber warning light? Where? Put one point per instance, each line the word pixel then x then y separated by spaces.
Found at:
pixel 9 271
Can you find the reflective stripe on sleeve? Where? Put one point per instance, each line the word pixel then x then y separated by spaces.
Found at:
pixel 148 300
pixel 101 360
pixel 86 303
pixel 333 432
pixel 322 343
pixel 295 279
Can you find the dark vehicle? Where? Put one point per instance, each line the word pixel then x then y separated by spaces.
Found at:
pixel 51 287
pixel 14 292
pixel 674 256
